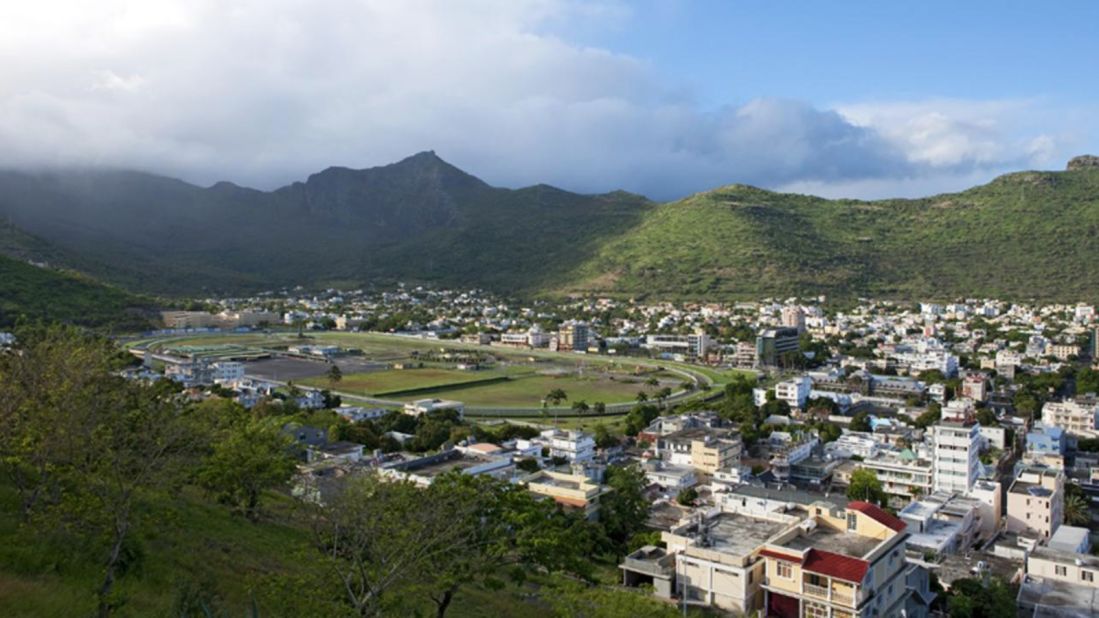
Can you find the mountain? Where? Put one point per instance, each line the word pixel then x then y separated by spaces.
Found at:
pixel 1023 235
pixel 419 219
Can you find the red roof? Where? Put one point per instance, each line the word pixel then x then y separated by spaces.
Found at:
pixel 774 554
pixel 836 565
pixel 877 514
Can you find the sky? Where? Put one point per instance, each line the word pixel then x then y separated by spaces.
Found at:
pixel 660 97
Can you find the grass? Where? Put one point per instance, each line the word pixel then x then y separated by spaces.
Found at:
pixel 395 380
pixel 527 392
pixel 188 542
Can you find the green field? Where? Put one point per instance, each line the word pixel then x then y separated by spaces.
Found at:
pixel 532 373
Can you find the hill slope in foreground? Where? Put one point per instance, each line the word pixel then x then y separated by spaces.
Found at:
pixel 1025 235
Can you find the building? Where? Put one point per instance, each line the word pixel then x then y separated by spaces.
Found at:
pixel 744 355
pixel 705 449
pixel 902 474
pixel 956 447
pixel 1036 501
pixel 423 470
pixel 694 345
pixel 573 336
pixel 1079 416
pixel 975 387
pixel 945 523
pixel 842 563
pixel 1045 440
pixel 572 445
pixel 1064 351
pixel 227 373
pixel 427 406
pixel 1072 539
pixel 774 344
pixel 793 317
pixel 1059 583
pixel 854 443
pixel 573 491
pixel 188 319
pixel 672 477
pixel 795 391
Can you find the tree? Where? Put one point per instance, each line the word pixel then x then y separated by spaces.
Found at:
pixel 134 441
pixel 865 486
pixel 929 417
pixel 599 408
pixel 860 422
pixel 604 438
pixel 580 407
pixel 642 397
pixel 663 394
pixel 624 510
pixel 335 374
pixel 687 496
pixel 1076 510
pixel 974 598
pixel 246 461
pixel 377 534
pixel 556 396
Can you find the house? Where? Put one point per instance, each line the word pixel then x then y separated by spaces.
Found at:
pixel 572 491
pixel 571 445
pixel 706 449
pixel 423 470
pixel 1059 583
pixel 672 477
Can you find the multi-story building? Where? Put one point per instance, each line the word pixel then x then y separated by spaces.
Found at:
pixel 694 345
pixel 795 391
pixel 902 475
pixel 706 449
pixel 573 491
pixel 227 373
pixel 572 445
pixel 1079 416
pixel 1059 583
pixel 1064 351
pixel 426 406
pixel 793 317
pixel 1036 501
pixel 955 452
pixel 1044 442
pixel 975 387
pixel 573 336
pixel 774 344
pixel 842 563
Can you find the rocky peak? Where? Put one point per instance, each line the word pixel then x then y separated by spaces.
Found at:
pixel 1083 162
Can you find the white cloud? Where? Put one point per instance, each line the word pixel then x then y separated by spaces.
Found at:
pixel 264 92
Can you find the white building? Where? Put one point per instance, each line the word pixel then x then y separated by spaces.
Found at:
pixel 228 373
pixel 956 450
pixel 853 443
pixel 1078 416
pixel 575 446
pixel 795 391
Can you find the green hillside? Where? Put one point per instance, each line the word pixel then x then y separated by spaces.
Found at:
pixel 43 293
pixel 1024 235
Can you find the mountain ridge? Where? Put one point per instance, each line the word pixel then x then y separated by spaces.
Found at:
pixel 422 219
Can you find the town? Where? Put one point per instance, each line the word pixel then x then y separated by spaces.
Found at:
pixel 797 457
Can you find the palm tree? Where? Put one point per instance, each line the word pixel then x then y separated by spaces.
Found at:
pixel 1076 510
pixel 642 397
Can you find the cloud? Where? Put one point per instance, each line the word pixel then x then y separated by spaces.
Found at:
pixel 265 92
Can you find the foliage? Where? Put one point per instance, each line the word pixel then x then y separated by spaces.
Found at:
pixel 624 510
pixel 687 497
pixel 865 486
pixel 248 458
pixel 860 422
pixel 972 598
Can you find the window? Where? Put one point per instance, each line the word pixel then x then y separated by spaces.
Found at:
pixel 852 521
pixel 1060 570
pixel 784 570
pixel 1087 576
pixel 815 610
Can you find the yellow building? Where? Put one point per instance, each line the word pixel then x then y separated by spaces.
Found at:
pixel 569 490
pixel 842 563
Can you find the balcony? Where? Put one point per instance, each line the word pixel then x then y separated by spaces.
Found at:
pixel 843 597
pixel 814 590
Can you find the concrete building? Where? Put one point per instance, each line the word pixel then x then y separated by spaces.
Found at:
pixel 1079 416
pixel 671 476
pixel 902 474
pixel 1059 583
pixel 774 344
pixel 573 336
pixel 693 345
pixel 705 449
pixel 956 450
pixel 572 445
pixel 227 373
pixel 793 317
pixel 1036 501
pixel 795 391
pixel 975 387
pixel 573 491
pixel 842 562
pixel 423 470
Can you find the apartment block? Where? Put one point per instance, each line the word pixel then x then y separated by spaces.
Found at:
pixel 1078 416
pixel 1036 501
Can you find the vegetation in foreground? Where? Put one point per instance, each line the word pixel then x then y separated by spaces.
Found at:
pixel 124 498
